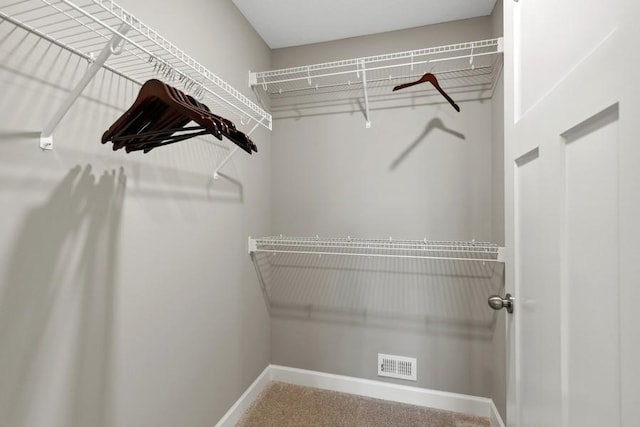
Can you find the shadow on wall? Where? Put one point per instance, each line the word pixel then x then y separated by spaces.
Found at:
pixel 435 123
pixel 57 304
pixel 36 77
pixel 437 297
pixel 149 179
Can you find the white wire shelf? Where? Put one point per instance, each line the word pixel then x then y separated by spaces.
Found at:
pixel 365 279
pixel 463 68
pixel 129 48
pixel 386 248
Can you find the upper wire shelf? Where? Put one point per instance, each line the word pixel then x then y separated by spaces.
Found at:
pixel 84 27
pixel 462 68
pixel 389 248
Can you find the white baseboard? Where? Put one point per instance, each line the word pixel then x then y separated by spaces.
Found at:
pixel 471 405
pixel 233 415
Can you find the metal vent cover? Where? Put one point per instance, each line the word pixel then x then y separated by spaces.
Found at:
pixel 400 367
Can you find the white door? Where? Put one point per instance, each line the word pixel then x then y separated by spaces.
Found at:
pixel 573 211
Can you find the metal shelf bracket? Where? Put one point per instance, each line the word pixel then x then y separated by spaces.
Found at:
pixel 115 46
pixel 224 161
pixel 98 30
pixel 366 95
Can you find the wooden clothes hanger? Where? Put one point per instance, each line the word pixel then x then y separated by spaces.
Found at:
pixel 153 110
pixel 159 116
pixel 428 77
pixel 228 128
pixel 161 122
pixel 165 126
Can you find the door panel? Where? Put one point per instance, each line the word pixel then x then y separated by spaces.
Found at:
pixel 590 298
pixel 554 37
pixel 572 214
pixel 539 383
pixel 629 208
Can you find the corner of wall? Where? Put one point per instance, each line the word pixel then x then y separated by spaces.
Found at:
pixel 497 16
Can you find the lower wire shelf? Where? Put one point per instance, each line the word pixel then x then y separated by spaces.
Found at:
pixel 390 248
pixel 414 283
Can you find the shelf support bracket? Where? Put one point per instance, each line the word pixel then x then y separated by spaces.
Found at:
pixel 46 138
pixel 224 161
pixel 366 95
pixel 253 247
pixel 263 285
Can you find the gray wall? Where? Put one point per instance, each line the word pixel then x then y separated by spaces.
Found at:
pixel 126 295
pixel 420 171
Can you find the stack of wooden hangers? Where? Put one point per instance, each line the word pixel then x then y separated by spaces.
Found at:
pixel 159 117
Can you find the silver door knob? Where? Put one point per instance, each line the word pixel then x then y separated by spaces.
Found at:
pixel 497 302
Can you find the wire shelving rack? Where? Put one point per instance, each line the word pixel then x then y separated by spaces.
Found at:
pixel 470 67
pixel 300 272
pixel 108 36
pixel 387 248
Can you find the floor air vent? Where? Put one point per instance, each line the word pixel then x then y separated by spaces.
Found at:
pixel 397 367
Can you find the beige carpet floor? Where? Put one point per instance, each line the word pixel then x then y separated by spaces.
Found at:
pixel 286 405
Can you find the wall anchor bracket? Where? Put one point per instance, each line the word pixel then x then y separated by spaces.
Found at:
pixel 115 46
pixel 366 95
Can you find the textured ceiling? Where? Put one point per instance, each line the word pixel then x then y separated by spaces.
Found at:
pixel 284 23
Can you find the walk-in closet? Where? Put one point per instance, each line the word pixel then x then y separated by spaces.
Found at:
pixel 268 213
